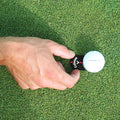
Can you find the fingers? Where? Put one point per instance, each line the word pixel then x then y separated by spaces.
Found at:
pixel 47 83
pixel 21 83
pixel 60 83
pixel 55 85
pixel 61 66
pixel 63 82
pixel 75 75
pixel 70 80
pixel 57 82
pixel 60 50
pixel 62 77
pixel 58 73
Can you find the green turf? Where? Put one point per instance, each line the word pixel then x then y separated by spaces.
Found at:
pixel 81 25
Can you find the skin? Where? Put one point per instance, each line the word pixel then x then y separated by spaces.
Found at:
pixel 30 61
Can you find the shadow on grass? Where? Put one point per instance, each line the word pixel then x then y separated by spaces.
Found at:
pixel 19 21
pixel 84 44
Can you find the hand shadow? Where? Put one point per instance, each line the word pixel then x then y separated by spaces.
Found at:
pixel 20 22
pixel 84 44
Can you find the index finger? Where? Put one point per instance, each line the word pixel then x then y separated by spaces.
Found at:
pixel 70 80
pixel 66 79
pixel 57 73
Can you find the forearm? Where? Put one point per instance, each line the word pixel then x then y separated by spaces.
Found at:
pixel 3 50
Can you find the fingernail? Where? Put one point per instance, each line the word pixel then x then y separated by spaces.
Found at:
pixel 71 52
pixel 75 73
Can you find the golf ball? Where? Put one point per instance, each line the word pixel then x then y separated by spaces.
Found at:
pixel 93 61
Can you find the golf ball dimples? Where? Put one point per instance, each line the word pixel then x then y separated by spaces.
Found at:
pixel 93 61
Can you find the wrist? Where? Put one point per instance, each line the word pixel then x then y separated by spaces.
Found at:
pixel 4 48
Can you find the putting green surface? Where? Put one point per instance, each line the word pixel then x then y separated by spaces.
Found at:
pixel 82 26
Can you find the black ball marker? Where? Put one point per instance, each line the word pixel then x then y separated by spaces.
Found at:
pixel 77 62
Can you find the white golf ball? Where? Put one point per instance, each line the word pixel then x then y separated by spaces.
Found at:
pixel 93 61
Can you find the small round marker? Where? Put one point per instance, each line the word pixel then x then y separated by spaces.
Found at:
pixel 77 62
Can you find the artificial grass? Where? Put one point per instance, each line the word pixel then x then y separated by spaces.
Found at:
pixel 81 25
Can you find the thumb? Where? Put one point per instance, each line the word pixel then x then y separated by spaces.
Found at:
pixel 61 50
pixel 75 75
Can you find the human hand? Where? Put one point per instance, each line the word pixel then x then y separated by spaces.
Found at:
pixel 30 60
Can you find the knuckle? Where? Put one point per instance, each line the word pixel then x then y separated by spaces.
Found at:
pixel 64 47
pixel 33 88
pixel 24 88
pixel 50 42
pixel 63 88
pixel 70 85
pixel 42 86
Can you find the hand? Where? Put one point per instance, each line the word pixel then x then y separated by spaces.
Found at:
pixel 30 60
